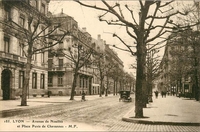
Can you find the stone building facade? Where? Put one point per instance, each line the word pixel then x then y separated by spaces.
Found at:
pixel 13 18
pixel 61 70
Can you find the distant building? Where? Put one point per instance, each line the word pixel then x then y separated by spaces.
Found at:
pixel 114 82
pixel 178 66
pixel 99 48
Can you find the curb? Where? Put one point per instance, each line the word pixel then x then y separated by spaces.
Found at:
pixel 126 118
pixel 139 121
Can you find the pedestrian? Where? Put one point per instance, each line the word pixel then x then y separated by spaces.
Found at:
pixel 156 94
pixel 49 94
pixel 168 93
pixel 83 96
pixel 165 93
pixel 162 94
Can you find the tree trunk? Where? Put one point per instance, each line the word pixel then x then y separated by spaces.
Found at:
pixel 107 87
pixel 26 81
pixel 145 93
pixel 197 97
pixel 139 82
pixel 114 88
pixel 140 78
pixel 150 88
pixel 74 86
pixel 101 87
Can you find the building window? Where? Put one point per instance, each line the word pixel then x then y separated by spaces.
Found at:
pixel 7 13
pixel 80 82
pixel 43 8
pixel 61 46
pixel 83 82
pixel 21 50
pixel 42 57
pixel 7 44
pixel 50 80
pixel 60 64
pixel 93 90
pixel 42 81
pixel 50 63
pixel 186 78
pixel 22 21
pixel 34 80
pixel 86 83
pixel 21 79
pixel 60 80
pixel 34 56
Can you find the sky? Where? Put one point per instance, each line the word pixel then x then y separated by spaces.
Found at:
pixel 88 18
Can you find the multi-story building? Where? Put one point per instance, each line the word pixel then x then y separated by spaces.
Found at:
pixel 114 82
pixel 14 16
pixel 61 63
pixel 99 48
pixel 59 67
pixel 178 65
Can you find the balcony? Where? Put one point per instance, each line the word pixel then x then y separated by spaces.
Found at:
pixel 88 73
pixel 12 57
pixel 57 68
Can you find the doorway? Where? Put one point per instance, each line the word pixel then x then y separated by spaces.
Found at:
pixel 5 83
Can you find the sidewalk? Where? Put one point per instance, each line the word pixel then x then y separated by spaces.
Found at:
pixel 40 101
pixel 170 111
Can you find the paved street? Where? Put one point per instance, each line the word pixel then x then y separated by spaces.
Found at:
pixel 98 114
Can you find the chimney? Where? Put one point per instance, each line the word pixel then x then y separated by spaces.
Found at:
pixel 62 11
pixel 84 29
pixel 98 36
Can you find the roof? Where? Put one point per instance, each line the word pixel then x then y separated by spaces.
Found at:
pixel 61 14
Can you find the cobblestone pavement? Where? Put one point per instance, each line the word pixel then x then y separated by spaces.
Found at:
pixel 134 127
pixel 102 114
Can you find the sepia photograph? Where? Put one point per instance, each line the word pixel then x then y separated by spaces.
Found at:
pixel 97 65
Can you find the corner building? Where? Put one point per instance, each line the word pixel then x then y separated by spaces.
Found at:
pixel 60 64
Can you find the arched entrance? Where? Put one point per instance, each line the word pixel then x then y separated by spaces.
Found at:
pixel 5 83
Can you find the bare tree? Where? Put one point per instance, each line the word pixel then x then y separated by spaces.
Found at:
pixel 153 72
pixel 186 58
pixel 141 30
pixel 80 56
pixel 35 37
pixel 188 55
pixel 104 67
